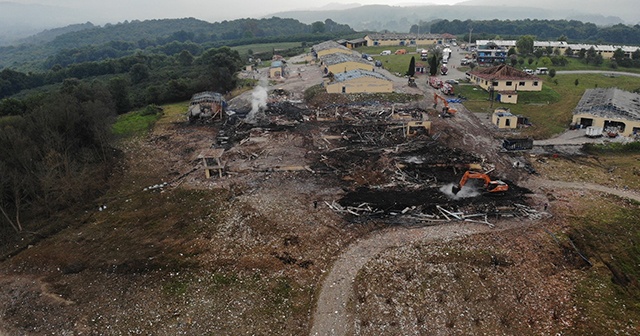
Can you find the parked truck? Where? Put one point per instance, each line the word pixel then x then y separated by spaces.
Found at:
pixel 593 132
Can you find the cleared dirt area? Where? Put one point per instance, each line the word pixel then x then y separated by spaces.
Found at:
pixel 311 195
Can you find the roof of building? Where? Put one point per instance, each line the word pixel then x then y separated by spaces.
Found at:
pixel 397 36
pixel 610 103
pixel 333 59
pixel 326 45
pixel 206 96
pixel 500 43
pixel 562 45
pixel 358 40
pixel 277 64
pixel 358 73
pixel 502 72
pixel 504 114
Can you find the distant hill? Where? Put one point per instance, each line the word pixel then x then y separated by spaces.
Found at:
pixel 400 19
pixel 594 11
pixel 51 34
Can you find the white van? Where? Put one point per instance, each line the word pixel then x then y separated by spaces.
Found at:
pixel 542 71
pixel 385 52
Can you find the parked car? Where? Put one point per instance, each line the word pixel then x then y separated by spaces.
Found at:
pixel 401 51
pixel 385 52
pixel 369 58
pixel 452 81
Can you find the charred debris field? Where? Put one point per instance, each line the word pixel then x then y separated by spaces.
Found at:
pixel 386 172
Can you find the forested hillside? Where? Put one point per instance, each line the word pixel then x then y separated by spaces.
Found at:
pixel 166 36
pixel 574 31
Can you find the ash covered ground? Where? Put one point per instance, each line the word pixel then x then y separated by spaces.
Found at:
pixel 362 148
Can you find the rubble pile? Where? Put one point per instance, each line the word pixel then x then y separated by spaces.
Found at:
pixel 385 172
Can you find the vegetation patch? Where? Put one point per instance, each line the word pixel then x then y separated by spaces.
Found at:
pixel 135 123
pixel 613 147
pixel 607 233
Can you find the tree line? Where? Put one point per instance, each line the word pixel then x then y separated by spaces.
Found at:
pixel 152 79
pixel 570 30
pixel 55 153
pixel 55 142
pixel 166 36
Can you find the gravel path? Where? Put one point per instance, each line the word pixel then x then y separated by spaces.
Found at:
pixel 604 72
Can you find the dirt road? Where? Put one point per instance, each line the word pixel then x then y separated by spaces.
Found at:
pixel 549 184
pixel 332 316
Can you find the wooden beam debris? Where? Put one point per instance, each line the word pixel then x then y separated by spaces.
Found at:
pixel 415 214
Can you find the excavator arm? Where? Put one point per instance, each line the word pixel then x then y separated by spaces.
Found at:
pixel 446 110
pixel 492 186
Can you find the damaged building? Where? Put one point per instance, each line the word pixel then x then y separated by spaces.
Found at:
pixel 328 48
pixel 506 81
pixel 337 63
pixel 206 106
pixel 359 81
pixel 278 69
pixel 613 110
pixel 408 40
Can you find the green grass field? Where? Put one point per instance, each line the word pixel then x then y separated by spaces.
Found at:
pixel 265 47
pixel 550 110
pixel 139 122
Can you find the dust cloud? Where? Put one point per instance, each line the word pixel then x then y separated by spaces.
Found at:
pixel 258 102
pixel 467 191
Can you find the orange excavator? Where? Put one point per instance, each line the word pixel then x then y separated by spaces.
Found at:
pixel 447 112
pixel 491 186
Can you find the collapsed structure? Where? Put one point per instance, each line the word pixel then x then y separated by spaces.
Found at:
pixel 611 110
pixel 506 81
pixel 388 159
pixel 206 107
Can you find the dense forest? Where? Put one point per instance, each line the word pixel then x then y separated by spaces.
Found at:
pixel 55 148
pixel 573 31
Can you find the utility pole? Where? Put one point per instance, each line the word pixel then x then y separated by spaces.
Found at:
pixel 470 30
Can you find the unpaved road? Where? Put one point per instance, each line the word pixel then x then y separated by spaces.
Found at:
pixel 631 194
pixel 604 72
pixel 332 317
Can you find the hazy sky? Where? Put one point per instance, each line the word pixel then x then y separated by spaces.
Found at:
pixel 102 11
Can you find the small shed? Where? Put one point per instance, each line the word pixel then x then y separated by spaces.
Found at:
pixel 278 70
pixel 503 118
pixel 420 68
pixel 212 161
pixel 508 97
